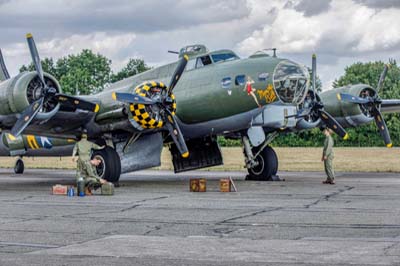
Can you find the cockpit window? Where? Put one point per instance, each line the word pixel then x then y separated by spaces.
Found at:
pixel 203 61
pixel 291 82
pixel 223 57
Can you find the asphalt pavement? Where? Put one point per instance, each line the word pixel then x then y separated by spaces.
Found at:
pixel 153 219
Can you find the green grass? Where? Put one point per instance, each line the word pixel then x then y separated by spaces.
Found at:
pixel 290 159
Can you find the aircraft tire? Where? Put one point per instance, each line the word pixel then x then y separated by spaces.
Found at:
pixel 268 165
pixel 276 162
pixel 110 166
pixel 19 166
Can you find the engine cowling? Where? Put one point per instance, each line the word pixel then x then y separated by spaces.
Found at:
pixel 149 116
pixel 348 114
pixel 312 120
pixel 17 93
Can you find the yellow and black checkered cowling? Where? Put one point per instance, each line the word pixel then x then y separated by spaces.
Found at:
pixel 143 114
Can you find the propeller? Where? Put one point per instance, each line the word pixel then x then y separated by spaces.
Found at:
pixel 316 108
pixel 3 67
pixel 163 102
pixel 48 95
pixel 372 104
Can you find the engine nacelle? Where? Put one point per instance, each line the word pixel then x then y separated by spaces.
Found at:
pixel 312 120
pixel 348 114
pixel 19 92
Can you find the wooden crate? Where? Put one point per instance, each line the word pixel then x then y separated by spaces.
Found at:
pixel 202 185
pixel 194 185
pixel 225 185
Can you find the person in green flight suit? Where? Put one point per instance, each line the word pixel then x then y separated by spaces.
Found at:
pixel 327 157
pixel 85 165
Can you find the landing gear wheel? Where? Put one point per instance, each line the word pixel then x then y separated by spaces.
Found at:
pixel 267 165
pixel 19 166
pixel 110 166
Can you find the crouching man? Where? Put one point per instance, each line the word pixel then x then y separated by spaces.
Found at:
pixel 86 167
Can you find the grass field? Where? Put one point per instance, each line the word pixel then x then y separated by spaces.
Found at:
pixel 290 159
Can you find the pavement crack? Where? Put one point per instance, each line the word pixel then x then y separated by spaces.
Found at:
pixel 329 196
pixel 157 198
pixel 248 215
pixel 387 249
pixel 99 212
pixel 221 232
pixel 156 228
pixel 129 208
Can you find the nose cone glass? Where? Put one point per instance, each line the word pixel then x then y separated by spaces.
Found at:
pixel 291 82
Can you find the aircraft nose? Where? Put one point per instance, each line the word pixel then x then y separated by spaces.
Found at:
pixel 291 81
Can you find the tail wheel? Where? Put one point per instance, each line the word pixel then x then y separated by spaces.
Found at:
pixel 19 166
pixel 148 116
pixel 267 165
pixel 110 165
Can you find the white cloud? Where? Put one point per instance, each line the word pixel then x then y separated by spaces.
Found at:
pixel 346 25
pixel 345 30
pixel 339 31
pixel 99 42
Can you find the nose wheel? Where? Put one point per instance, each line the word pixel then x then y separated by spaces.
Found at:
pixel 19 166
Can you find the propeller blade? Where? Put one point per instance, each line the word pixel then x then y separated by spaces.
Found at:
pixel 3 68
pixel 176 134
pixel 35 57
pixel 352 99
pixel 131 98
pixel 383 130
pixel 314 72
pixel 26 117
pixel 75 102
pixel 382 78
pixel 178 73
pixel 331 123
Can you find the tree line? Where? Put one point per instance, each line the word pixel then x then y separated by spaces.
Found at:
pixel 88 73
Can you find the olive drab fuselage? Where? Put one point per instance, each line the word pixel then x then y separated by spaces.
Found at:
pixel 207 93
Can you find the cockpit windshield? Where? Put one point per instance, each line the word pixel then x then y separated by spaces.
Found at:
pixel 223 57
pixel 291 82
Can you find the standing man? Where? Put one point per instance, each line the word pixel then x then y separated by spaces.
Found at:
pixel 327 157
pixel 86 165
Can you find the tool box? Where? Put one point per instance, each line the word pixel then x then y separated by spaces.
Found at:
pixel 107 189
pixel 59 190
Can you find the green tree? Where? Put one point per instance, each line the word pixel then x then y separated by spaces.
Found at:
pixel 318 88
pixel 84 73
pixel 47 66
pixel 134 66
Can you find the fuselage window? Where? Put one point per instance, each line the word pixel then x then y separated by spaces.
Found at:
pixel 203 61
pixel 240 80
pixel 223 57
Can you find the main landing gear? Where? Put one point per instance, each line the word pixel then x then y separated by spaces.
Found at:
pixel 19 166
pixel 261 162
pixel 110 166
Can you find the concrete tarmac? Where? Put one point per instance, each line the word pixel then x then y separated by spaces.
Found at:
pixel 153 219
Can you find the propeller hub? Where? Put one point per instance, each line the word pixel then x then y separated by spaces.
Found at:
pixel 152 115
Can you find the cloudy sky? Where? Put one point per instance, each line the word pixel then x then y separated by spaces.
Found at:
pixel 341 32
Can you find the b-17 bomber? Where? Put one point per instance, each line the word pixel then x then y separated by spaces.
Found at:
pixel 184 105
